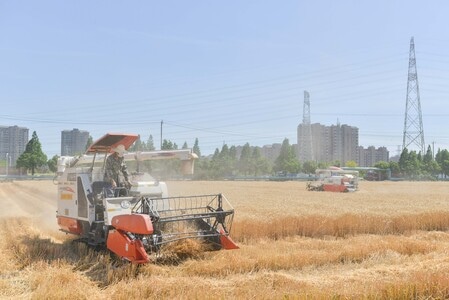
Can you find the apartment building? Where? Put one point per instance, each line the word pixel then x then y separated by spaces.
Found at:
pixel 73 142
pixel 370 156
pixel 13 141
pixel 332 143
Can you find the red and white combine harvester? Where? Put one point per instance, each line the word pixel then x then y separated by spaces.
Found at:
pixel 135 222
pixel 334 179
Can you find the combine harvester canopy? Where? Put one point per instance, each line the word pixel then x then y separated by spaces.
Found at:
pixel 135 222
pixel 335 179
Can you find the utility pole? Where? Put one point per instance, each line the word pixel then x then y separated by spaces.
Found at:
pixel 162 122
pixel 433 150
pixel 413 127
pixel 7 163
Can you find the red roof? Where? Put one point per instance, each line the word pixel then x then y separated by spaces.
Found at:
pixel 112 140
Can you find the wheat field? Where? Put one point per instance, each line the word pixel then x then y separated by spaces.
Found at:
pixel 389 240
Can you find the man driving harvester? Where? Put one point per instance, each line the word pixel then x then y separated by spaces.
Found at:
pixel 114 165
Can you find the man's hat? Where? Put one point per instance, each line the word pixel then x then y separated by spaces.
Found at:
pixel 120 150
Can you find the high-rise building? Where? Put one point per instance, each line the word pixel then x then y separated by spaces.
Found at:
pixel 271 152
pixel 334 143
pixel 349 143
pixel 13 141
pixel 370 156
pixel 73 142
pixel 320 142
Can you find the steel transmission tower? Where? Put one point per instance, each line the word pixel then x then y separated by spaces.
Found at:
pixel 413 128
pixel 305 132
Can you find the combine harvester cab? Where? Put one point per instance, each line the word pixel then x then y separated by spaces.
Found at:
pixel 134 223
pixel 335 179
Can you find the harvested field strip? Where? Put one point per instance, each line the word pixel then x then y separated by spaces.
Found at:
pixel 288 253
pixel 299 253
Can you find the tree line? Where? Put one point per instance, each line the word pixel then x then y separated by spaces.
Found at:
pixel 226 163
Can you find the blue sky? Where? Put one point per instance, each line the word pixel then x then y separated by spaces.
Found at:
pixel 221 71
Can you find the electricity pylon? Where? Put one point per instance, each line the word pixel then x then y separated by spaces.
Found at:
pixel 413 128
pixel 305 132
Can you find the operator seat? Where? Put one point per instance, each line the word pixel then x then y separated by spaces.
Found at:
pixel 104 189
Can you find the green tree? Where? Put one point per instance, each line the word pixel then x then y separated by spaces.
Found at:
pixel 226 161
pixel 260 165
pixel 53 163
pixel 395 170
pixel 429 165
pixel 245 160
pixel 215 165
pixel 287 160
pixel 428 157
pixel 233 153
pixel 149 146
pixel 442 158
pixel 202 169
pixel 223 163
pixel 309 167
pixel 351 164
pixel 185 146
pixel 224 153
pixel 89 142
pixel 167 145
pixel 323 165
pixel 385 170
pixel 33 157
pixel 232 169
pixel 196 148
pixel 336 163
pixel 137 146
pixel 382 165
pixel 409 163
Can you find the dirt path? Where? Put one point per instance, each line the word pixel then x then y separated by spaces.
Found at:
pixel 33 199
